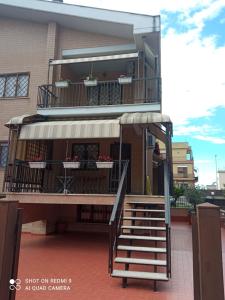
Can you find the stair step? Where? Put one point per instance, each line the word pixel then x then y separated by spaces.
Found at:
pixel 146 203
pixel 141 249
pixel 143 237
pixel 143 219
pixel 139 275
pixel 131 260
pixel 145 210
pixel 143 227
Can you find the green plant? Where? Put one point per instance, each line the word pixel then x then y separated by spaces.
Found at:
pixel 177 192
pixel 194 195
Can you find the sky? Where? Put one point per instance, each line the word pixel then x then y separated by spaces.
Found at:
pixel 193 73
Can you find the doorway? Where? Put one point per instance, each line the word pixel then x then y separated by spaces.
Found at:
pixel 126 155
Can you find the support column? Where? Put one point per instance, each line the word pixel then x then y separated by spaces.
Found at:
pixel 120 152
pixel 210 253
pixel 51 50
pixel 169 157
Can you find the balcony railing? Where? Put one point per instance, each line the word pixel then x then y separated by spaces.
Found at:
pixel 142 90
pixel 184 175
pixel 54 178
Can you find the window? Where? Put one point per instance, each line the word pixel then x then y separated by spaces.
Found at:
pixel 104 94
pixel 3 154
pixel 86 151
pixel 182 171
pixel 14 85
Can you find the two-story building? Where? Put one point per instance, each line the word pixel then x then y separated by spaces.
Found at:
pixel 80 95
pixel 184 173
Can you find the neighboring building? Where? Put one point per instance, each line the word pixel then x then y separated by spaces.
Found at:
pixel 221 174
pixel 212 186
pixel 183 165
pixel 184 173
pixel 80 84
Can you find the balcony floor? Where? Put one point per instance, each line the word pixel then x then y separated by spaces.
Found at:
pixel 83 258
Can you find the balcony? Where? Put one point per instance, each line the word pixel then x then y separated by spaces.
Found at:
pixel 55 178
pixel 140 90
pixel 183 176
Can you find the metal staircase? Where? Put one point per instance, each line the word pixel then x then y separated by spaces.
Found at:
pixel 143 245
pixel 140 245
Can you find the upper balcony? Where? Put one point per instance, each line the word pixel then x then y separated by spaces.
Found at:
pixel 110 92
pixel 130 81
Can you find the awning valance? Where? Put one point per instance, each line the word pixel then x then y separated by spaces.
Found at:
pixel 24 119
pixel 144 118
pixel 94 58
pixel 71 130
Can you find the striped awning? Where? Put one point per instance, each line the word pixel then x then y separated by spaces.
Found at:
pixel 71 130
pixel 144 118
pixel 94 59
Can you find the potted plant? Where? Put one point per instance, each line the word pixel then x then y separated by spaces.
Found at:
pixel 104 162
pixel 37 163
pixel 177 193
pixel 194 195
pixel 62 83
pixel 71 163
pixel 123 79
pixel 90 81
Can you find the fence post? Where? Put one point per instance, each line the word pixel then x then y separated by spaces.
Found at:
pixel 209 253
pixel 196 280
pixel 10 230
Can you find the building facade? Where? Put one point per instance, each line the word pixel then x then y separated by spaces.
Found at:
pixel 183 165
pixel 84 84
pixel 184 173
pixel 221 174
pixel 80 105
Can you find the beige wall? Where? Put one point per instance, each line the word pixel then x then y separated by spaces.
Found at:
pixel 221 180
pixel 72 39
pixel 130 136
pixel 179 154
pixel 23 49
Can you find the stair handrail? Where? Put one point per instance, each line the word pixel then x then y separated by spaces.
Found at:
pixel 116 216
pixel 167 217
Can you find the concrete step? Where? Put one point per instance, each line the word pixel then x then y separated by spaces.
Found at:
pixel 144 219
pixel 139 275
pixel 143 237
pixel 141 249
pixel 144 227
pixel 145 210
pixel 145 203
pixel 139 261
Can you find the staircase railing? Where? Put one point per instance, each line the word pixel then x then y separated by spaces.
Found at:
pixel 167 217
pixel 116 217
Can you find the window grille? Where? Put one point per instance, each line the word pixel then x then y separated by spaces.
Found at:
pixel 3 154
pixel 14 85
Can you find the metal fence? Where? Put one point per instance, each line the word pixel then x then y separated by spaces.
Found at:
pixel 140 90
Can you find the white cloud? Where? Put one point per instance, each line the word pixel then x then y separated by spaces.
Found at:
pixel 192 75
pixel 209 12
pixel 212 139
pixel 204 129
pixel 146 6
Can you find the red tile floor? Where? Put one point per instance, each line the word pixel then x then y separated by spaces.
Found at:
pixel 82 258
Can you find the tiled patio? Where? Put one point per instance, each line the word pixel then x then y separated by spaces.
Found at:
pixel 83 259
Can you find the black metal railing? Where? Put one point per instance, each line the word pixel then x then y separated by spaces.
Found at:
pixel 140 90
pixel 116 217
pixel 55 178
pixel 181 202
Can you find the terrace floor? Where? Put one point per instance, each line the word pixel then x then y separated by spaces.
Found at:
pixel 81 260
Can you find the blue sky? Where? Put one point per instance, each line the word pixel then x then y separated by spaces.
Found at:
pixel 193 72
